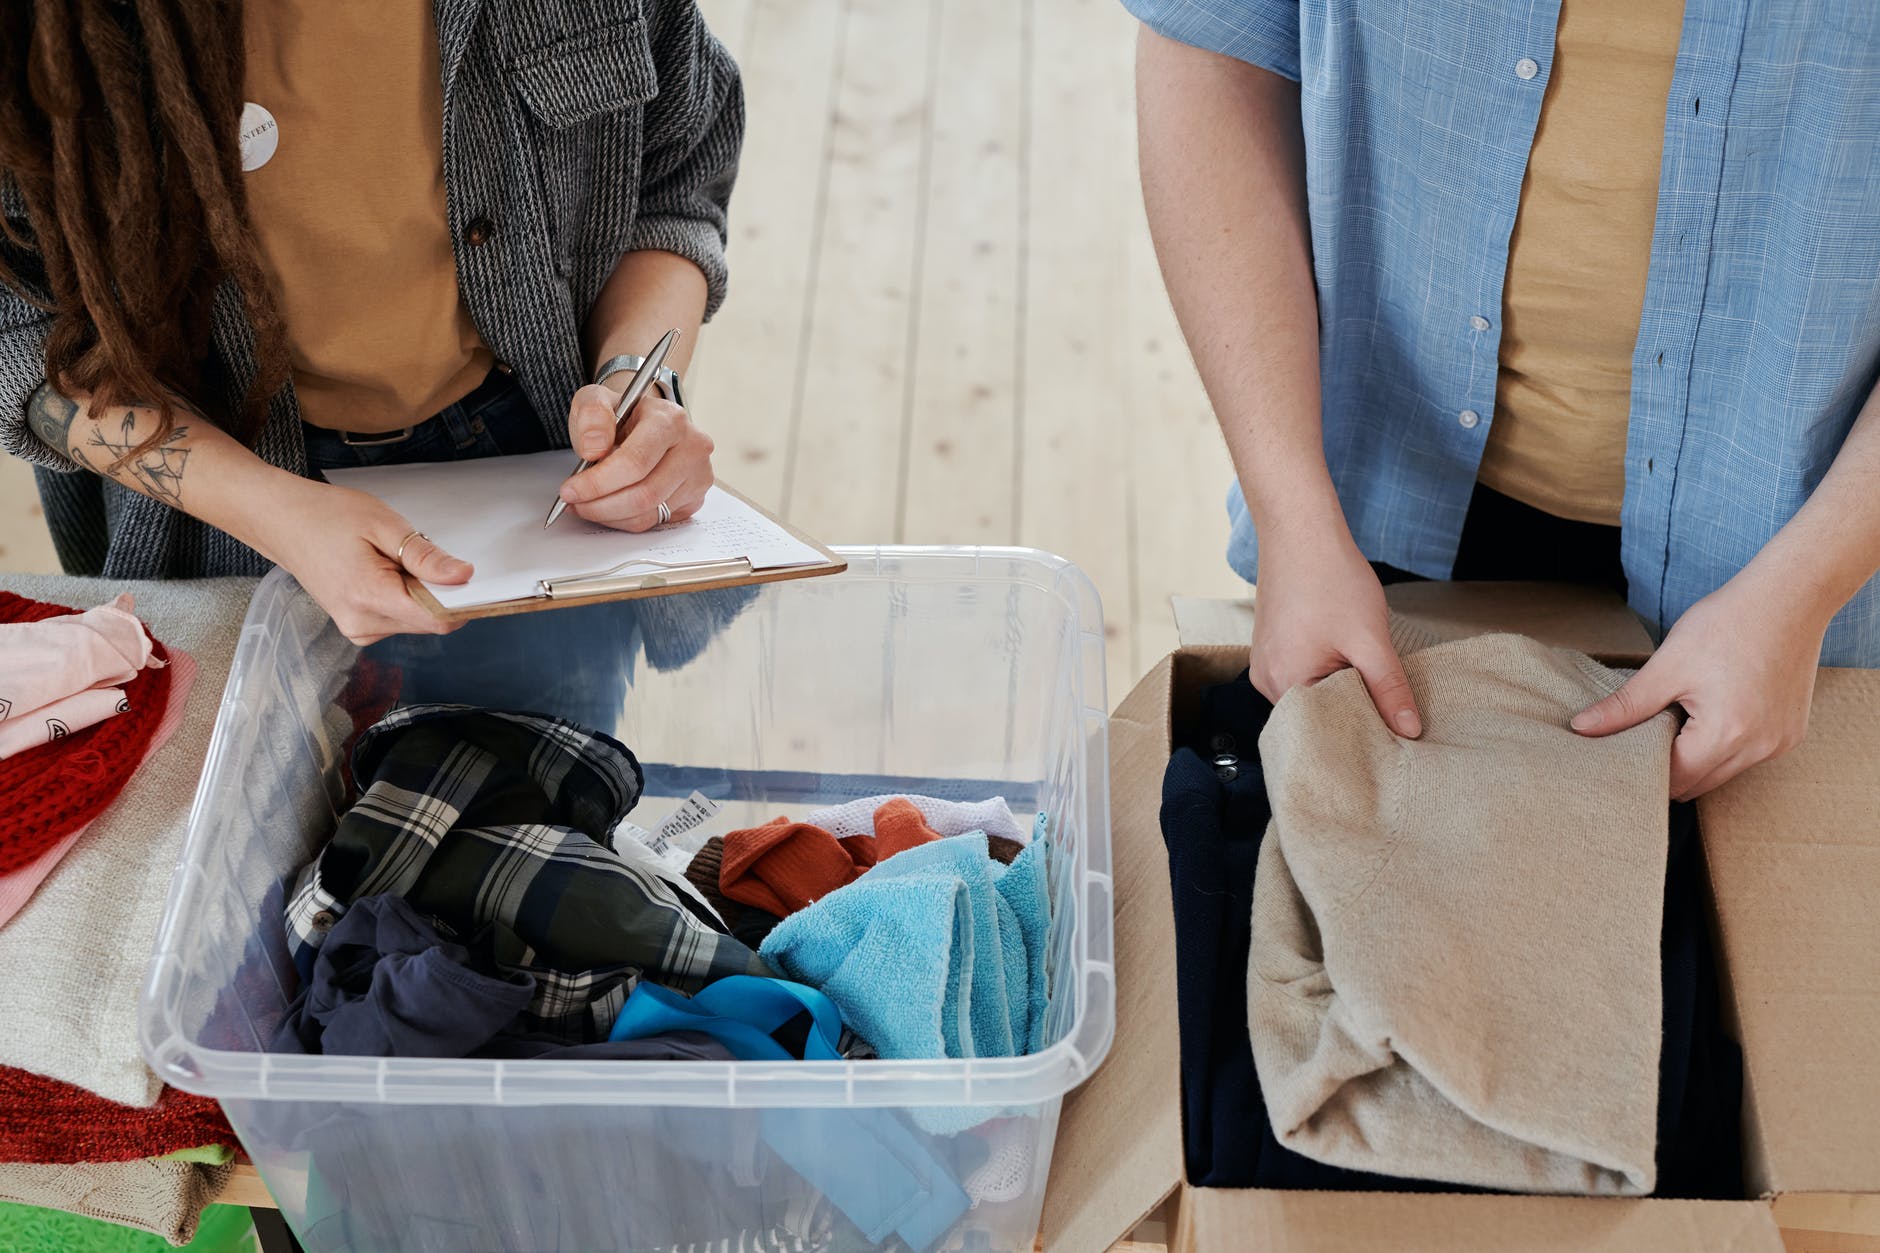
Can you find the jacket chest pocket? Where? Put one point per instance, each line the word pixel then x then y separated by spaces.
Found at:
pixel 585 97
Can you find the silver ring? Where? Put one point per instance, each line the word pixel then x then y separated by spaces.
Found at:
pixel 400 558
pixel 665 514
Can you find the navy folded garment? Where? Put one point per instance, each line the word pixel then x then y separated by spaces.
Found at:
pixel 1214 816
pixel 385 984
pixel 1700 1071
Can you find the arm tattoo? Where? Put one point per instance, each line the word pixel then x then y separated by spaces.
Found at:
pixel 157 471
pixel 50 416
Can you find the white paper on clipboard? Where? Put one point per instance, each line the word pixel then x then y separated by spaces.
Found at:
pixel 489 512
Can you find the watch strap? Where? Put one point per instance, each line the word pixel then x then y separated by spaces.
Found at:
pixel 667 378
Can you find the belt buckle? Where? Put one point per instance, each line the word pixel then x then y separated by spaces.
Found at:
pixel 354 439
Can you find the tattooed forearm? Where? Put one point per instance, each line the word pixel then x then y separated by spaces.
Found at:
pixel 155 469
pixel 51 416
pixel 124 453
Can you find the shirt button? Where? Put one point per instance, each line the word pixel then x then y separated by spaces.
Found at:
pixel 324 920
pixel 1526 68
pixel 1468 418
pixel 478 232
pixel 1479 322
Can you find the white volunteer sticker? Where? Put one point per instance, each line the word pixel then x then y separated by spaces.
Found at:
pixel 260 136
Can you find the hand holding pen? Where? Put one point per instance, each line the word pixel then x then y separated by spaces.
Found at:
pixel 644 462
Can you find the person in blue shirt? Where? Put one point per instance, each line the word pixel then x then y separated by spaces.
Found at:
pixel 1572 289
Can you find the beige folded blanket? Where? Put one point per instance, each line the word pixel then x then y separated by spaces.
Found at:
pixel 1455 967
pixel 154 1194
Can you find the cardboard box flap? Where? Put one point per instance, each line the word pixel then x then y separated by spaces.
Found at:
pixel 1119 1142
pixel 1592 620
pixel 1794 853
pixel 1344 1222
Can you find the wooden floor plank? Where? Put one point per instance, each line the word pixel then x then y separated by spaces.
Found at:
pixel 730 20
pixel 25 545
pixel 848 419
pixel 1075 494
pixel 742 386
pixel 961 455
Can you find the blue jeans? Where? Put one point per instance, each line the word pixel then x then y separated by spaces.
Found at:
pixel 495 420
pixel 575 663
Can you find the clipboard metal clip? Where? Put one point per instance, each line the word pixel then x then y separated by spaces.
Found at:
pixel 666 574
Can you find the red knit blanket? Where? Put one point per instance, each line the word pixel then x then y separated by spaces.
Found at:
pixel 44 1120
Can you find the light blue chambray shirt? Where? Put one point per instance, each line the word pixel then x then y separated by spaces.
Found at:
pixel 1760 332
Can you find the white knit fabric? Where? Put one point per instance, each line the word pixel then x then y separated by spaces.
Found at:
pixel 73 959
pixel 1005 1175
pixel 948 818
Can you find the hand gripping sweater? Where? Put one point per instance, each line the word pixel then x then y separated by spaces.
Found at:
pixel 1454 970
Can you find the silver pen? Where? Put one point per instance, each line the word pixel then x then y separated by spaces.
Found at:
pixel 642 379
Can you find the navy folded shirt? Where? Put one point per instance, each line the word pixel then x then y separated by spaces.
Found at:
pixel 385 984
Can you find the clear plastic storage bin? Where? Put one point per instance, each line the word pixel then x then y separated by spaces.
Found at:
pixel 956 672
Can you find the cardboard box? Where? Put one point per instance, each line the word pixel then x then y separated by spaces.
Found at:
pixel 1794 853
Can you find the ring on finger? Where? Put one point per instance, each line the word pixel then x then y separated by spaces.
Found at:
pixel 665 513
pixel 400 558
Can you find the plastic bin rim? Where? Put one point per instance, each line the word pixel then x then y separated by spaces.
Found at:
pixel 234 1075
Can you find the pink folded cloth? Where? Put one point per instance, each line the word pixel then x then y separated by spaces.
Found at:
pixel 61 675
pixel 60 718
pixel 18 886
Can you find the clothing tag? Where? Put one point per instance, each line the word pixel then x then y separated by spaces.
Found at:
pixel 694 812
pixel 658 843
pixel 260 136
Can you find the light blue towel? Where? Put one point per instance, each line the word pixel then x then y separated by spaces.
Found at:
pixel 937 952
pixel 1027 888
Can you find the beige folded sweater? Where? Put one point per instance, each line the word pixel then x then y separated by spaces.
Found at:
pixel 1455 967
pixel 160 1195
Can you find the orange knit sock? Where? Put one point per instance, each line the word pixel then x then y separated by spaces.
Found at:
pixel 782 866
pixel 899 827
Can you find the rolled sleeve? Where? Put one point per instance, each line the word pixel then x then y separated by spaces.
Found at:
pixel 694 131
pixel 1260 32
pixel 23 329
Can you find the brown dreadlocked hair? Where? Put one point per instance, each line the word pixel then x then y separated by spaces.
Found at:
pixel 119 131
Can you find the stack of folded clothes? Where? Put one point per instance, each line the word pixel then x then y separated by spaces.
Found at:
pixel 103 734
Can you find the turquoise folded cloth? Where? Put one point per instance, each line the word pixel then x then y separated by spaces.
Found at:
pixel 938 951
pixel 758 1019
pixel 888 1179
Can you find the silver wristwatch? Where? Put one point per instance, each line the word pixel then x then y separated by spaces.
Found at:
pixel 667 378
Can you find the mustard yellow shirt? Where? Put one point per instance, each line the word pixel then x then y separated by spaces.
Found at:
pixel 349 210
pixel 1578 258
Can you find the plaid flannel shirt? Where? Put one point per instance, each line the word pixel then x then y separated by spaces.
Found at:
pixel 499 827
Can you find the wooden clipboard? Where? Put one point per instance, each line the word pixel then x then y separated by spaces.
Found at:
pixel 601 587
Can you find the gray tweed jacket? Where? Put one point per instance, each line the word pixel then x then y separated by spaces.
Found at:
pixel 577 130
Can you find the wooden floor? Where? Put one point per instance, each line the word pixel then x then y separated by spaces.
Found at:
pixel 946 324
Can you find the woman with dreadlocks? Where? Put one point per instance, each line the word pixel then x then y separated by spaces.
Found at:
pixel 247 243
